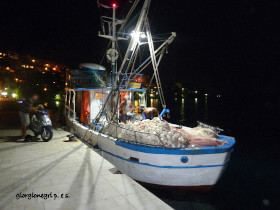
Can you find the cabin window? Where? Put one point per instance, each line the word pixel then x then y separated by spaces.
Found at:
pixel 98 95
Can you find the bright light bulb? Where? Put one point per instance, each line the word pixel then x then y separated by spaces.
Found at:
pixel 132 34
pixel 143 35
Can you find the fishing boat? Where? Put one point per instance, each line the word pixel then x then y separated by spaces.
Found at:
pixel 151 150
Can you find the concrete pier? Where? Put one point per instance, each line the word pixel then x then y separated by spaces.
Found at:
pixel 64 175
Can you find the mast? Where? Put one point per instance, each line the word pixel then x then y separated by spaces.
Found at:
pixel 112 54
pixel 113 63
pixel 141 28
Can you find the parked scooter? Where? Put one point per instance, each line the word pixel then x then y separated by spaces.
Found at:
pixel 41 124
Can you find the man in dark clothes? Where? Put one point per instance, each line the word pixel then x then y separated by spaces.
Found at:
pixel 25 107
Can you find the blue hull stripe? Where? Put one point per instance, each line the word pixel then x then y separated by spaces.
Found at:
pixel 180 151
pixel 157 166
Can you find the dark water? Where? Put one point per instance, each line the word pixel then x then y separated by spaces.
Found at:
pixel 251 180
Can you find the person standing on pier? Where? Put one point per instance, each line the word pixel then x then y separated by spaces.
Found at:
pixel 25 107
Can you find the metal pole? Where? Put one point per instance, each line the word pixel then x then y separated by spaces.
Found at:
pixel 69 99
pixel 113 63
pixel 74 106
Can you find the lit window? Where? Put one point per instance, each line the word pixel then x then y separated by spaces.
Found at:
pixel 99 95
pixel 23 66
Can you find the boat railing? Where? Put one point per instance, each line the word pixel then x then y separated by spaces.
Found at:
pixel 117 131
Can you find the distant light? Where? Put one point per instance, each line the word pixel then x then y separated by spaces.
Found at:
pixel 206 94
pixel 57 97
pixel 114 5
pixel 195 100
pixel 46 68
pixel 32 67
pixel 57 102
pixel 16 79
pixel 4 93
pixel 183 89
pixel 54 68
pixel 7 68
pixel 43 72
pixel 45 89
pixel 218 96
pixel 33 61
pixel 0 53
pixel 196 91
pixel 37 84
pixel 23 66
pixel 53 82
pixel 14 95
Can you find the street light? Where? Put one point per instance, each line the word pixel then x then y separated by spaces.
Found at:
pixel 4 93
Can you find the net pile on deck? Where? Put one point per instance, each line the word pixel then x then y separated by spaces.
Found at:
pixel 158 132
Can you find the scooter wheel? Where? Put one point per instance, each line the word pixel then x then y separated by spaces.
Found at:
pixel 47 134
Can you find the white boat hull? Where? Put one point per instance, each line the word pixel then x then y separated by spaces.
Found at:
pixel 187 167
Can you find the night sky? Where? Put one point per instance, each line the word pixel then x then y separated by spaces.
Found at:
pixel 220 45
